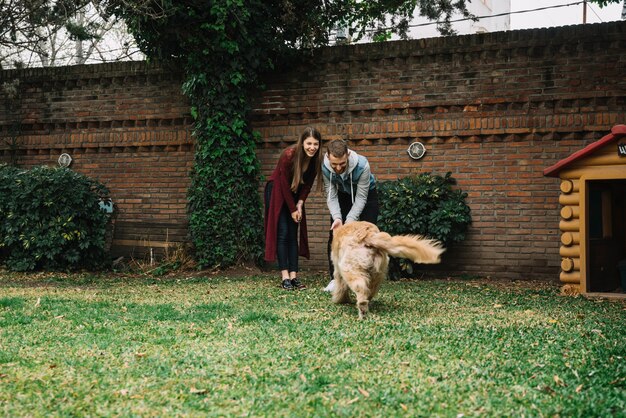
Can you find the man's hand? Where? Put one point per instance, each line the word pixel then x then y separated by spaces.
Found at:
pixel 336 224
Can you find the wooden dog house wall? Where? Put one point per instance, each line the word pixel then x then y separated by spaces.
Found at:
pixel 593 216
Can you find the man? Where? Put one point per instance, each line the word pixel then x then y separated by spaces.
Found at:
pixel 350 191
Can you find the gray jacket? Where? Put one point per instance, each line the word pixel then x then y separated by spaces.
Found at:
pixel 357 180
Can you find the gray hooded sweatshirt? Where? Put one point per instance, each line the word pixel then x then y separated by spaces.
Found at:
pixel 356 181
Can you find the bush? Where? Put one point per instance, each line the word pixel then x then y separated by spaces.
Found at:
pixel 50 219
pixel 423 204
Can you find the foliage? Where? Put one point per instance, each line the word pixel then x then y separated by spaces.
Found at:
pixel 42 29
pixel 423 204
pixel 224 49
pixel 603 3
pixel 165 28
pixel 51 219
pixel 97 345
pixel 62 32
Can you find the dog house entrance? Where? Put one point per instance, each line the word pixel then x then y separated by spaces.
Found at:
pixel 606 236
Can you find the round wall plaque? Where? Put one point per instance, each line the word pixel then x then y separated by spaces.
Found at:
pixel 65 160
pixel 416 150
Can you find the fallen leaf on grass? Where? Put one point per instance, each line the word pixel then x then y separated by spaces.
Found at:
pixel 579 388
pixel 351 401
pixel 59 317
pixel 303 378
pixel 403 406
pixel 140 355
pixel 559 381
pixel 195 391
pixel 497 305
pixel 433 358
pixel 364 392
pixel 38 302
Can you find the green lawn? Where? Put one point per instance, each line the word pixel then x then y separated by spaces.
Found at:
pixel 87 345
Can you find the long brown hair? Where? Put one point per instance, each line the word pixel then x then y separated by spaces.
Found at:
pixel 300 155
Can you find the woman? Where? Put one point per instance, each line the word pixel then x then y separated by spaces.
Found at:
pixel 285 193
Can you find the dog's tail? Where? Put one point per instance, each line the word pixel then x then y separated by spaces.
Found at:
pixel 414 247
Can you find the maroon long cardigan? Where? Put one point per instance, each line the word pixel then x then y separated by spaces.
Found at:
pixel 281 194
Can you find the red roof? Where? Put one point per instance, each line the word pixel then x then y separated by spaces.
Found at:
pixel 617 132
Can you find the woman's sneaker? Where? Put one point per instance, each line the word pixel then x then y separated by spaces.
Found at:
pixel 286 284
pixel 297 284
pixel 330 287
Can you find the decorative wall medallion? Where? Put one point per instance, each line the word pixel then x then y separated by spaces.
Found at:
pixel 65 160
pixel 416 150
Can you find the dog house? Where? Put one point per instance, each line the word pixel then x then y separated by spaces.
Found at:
pixel 593 216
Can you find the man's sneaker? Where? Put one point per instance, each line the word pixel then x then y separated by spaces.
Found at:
pixel 297 284
pixel 286 284
pixel 330 287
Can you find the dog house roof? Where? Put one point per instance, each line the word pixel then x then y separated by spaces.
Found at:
pixel 617 132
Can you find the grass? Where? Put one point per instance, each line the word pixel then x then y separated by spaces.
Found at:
pixel 87 345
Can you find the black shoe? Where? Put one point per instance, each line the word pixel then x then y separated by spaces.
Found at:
pixel 297 284
pixel 287 285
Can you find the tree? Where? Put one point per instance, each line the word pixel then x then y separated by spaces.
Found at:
pixel 63 32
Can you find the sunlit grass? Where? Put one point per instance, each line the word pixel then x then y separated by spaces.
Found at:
pixel 224 346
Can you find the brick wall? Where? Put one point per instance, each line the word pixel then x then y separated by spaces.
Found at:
pixel 125 124
pixel 494 109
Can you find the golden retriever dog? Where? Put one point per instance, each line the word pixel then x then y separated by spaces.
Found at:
pixel 360 253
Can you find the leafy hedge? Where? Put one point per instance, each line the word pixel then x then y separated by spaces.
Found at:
pixel 423 204
pixel 50 219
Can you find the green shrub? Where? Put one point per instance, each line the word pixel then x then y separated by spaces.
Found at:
pixel 7 177
pixel 423 204
pixel 50 219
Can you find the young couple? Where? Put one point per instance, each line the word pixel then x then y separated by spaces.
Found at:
pixel 350 191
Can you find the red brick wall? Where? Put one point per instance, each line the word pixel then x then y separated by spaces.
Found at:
pixel 494 109
pixel 125 124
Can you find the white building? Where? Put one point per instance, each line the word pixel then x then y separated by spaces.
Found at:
pixel 494 17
